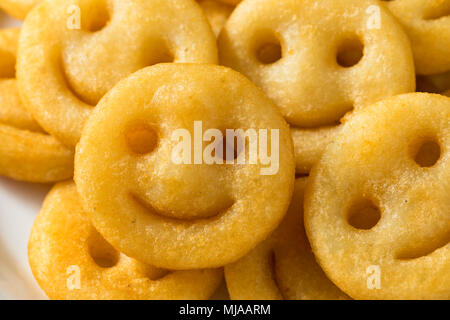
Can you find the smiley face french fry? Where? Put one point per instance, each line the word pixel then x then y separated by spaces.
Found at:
pixel 71 260
pixel 196 215
pixel 318 61
pixel 114 38
pixel 376 206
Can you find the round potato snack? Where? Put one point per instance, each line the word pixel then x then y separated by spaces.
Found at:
pixel 283 266
pixel 318 61
pixel 27 153
pixel 199 212
pixel 70 260
pixel 18 8
pixel 81 48
pixel 427 24
pixel 377 204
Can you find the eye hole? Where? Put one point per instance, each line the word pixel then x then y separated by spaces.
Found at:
pixel 428 154
pixel 268 48
pixel 95 16
pixel 350 52
pixel 363 214
pixel 229 149
pixel 103 254
pixel 269 53
pixel 141 139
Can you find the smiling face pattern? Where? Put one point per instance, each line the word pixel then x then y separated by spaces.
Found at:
pixel 61 38
pixel 283 266
pixel 377 204
pixel 354 49
pixel 176 215
pixel 71 260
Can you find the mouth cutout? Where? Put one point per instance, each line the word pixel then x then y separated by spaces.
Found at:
pixel 341 116
pixel 209 215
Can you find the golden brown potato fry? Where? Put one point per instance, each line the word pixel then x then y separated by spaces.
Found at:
pixel 71 260
pixel 427 24
pixel 195 216
pixel 377 204
pixel 79 63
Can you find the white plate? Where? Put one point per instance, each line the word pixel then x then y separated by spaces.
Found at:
pixel 19 204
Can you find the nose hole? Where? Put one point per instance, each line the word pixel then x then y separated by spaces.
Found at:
pixel 428 154
pixel 268 48
pixel 96 16
pixel 363 214
pixel 350 52
pixel 103 254
pixel 141 139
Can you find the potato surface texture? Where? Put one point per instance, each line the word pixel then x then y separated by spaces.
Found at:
pixel 377 204
pixel 181 215
pixel 64 245
pixel 318 61
pixel 81 48
pixel 283 266
pixel 427 24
